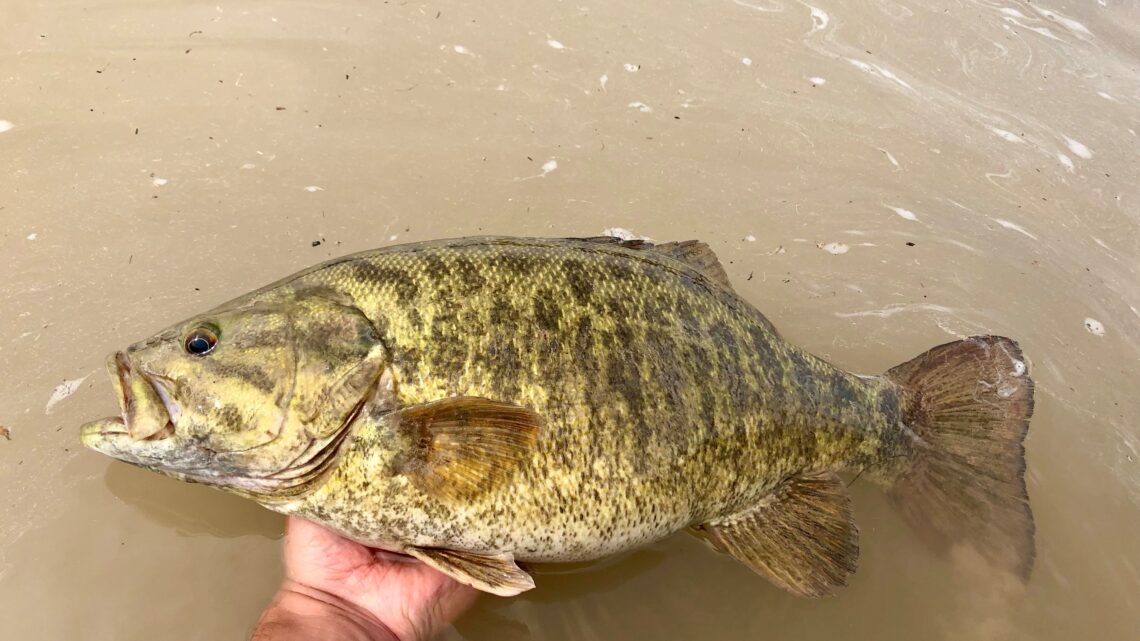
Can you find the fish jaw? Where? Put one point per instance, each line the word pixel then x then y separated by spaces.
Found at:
pixel 109 436
pixel 147 417
pixel 96 432
pixel 147 408
pixel 162 453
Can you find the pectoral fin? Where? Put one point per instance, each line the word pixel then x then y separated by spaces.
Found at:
pixel 801 537
pixel 496 574
pixel 461 447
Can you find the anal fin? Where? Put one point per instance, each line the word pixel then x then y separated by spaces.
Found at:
pixel 497 574
pixel 801 536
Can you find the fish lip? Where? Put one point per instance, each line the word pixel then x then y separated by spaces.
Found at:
pixel 111 426
pixel 115 420
pixel 160 383
pixel 120 368
pixel 122 371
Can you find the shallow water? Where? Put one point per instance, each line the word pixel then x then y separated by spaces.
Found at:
pixel 877 177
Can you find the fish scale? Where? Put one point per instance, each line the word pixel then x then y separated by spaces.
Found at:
pixel 661 397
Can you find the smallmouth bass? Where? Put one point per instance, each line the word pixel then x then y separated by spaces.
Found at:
pixel 483 402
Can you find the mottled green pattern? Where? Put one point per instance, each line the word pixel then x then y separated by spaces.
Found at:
pixel 479 401
pixel 667 401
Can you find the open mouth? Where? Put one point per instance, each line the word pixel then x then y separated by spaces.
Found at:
pixel 148 411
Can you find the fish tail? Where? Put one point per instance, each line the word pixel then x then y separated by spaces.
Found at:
pixel 967 406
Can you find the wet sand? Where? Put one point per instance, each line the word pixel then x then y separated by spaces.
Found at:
pixel 877 178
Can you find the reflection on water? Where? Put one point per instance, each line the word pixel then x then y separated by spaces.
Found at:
pixel 191 509
pixel 877 177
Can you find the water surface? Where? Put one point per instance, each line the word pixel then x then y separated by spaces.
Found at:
pixel 877 177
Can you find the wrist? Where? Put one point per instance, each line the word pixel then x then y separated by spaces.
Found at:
pixel 301 613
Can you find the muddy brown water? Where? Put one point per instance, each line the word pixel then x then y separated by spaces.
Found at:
pixel 877 177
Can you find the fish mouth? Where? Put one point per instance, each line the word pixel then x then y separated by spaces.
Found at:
pixel 148 412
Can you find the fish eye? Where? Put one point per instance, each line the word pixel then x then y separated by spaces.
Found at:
pixel 201 341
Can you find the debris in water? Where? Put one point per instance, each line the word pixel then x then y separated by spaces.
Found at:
pixel 622 233
pixel 62 391
pixel 834 248
pixel 1006 135
pixel 316 243
pixel 1095 327
pixel 903 213
pixel 547 167
pixel 1015 227
pixel 1078 148
pixel 6 433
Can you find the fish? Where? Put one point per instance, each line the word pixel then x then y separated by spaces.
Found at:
pixel 484 404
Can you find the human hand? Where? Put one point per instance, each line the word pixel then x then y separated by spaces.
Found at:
pixel 335 588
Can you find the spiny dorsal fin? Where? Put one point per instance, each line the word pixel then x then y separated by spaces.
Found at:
pixel 801 537
pixel 700 257
pixel 497 574
pixel 632 243
pixel 693 253
pixel 464 446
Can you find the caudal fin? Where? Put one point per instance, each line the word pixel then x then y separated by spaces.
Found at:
pixel 969 404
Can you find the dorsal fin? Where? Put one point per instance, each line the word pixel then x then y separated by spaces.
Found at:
pixel 632 243
pixel 693 253
pixel 699 256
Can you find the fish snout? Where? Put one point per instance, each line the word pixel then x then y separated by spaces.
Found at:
pixel 149 412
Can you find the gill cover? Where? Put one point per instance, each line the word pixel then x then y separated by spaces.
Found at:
pixel 264 409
